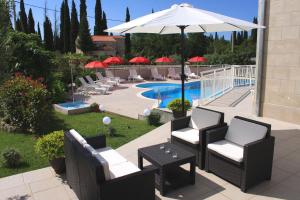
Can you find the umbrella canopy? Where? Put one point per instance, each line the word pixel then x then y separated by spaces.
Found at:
pixel 139 60
pixel 114 60
pixel 182 19
pixel 164 60
pixel 95 65
pixel 197 59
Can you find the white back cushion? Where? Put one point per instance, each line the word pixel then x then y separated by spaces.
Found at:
pixel 77 136
pixel 201 118
pixel 243 132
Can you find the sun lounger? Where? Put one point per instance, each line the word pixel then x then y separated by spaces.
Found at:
pixel 110 75
pixel 105 80
pixel 172 74
pixel 156 75
pixel 134 76
pixel 91 87
pixel 189 74
pixel 99 83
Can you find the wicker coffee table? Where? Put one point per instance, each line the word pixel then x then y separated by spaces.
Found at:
pixel 169 175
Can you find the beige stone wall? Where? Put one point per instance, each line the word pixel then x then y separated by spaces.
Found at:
pixel 281 76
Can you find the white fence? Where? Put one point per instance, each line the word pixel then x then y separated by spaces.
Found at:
pixel 216 82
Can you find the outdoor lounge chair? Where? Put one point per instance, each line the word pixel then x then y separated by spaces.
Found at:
pixel 190 132
pixel 97 172
pixel 110 75
pixel 99 83
pixel 172 74
pixel 241 153
pixel 91 87
pixel 189 74
pixel 134 76
pixel 156 75
pixel 103 79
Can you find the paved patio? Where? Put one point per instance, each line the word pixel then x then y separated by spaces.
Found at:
pixel 43 184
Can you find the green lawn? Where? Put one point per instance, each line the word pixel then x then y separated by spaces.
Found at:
pixel 88 124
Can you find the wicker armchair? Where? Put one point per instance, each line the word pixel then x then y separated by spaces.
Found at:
pixel 91 177
pixel 241 153
pixel 190 132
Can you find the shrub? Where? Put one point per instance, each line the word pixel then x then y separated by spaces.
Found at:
pixel 11 158
pixel 58 91
pixel 23 103
pixel 94 107
pixel 51 146
pixel 175 105
pixel 154 118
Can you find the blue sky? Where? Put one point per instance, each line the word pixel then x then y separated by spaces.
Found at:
pixel 115 9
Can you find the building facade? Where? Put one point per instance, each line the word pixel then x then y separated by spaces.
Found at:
pixel 107 46
pixel 280 92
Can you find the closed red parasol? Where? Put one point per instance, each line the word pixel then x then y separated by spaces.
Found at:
pixel 96 65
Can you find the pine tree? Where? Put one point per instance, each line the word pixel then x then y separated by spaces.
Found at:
pixel 84 41
pixel 30 27
pixel 23 17
pixel 48 34
pixel 98 28
pixel 127 37
pixel 104 22
pixel 254 32
pixel 39 31
pixel 66 30
pixel 74 28
pixel 62 25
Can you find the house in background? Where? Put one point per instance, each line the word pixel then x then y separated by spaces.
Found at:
pixel 107 46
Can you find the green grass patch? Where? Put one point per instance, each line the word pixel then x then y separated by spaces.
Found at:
pixel 89 124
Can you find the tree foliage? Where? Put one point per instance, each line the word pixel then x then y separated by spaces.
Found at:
pixel 104 23
pixel 31 23
pixel 48 34
pixel 127 37
pixel 23 17
pixel 74 27
pixel 98 28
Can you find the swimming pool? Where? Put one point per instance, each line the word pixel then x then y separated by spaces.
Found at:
pixel 166 92
pixel 70 108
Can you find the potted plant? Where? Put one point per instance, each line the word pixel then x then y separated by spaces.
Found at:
pixel 51 147
pixel 176 108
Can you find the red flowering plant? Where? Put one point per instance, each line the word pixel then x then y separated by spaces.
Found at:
pixel 23 103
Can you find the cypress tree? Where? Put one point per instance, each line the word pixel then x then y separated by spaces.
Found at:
pixel 98 28
pixel 245 35
pixel 39 31
pixel 23 17
pixel 127 36
pixel 239 38
pixel 85 41
pixel 18 25
pixel 104 22
pixel 5 23
pixel 31 24
pixel 254 32
pixel 66 29
pixel 62 25
pixel 56 40
pixel 216 36
pixel 74 27
pixel 48 34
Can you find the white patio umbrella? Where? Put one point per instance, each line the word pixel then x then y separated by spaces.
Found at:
pixel 181 19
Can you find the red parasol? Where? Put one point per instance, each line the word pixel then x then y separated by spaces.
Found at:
pixel 164 60
pixel 139 60
pixel 197 59
pixel 114 60
pixel 96 65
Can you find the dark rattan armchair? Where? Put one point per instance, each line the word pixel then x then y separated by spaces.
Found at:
pixel 86 174
pixel 190 132
pixel 241 153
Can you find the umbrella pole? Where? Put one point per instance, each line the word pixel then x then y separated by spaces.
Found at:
pixel 183 77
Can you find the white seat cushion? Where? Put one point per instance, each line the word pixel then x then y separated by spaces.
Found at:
pixel 111 156
pixel 243 132
pixel 228 149
pixel 201 118
pixel 122 169
pixel 188 134
pixel 77 136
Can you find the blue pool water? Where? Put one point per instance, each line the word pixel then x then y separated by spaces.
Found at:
pixel 166 92
pixel 74 105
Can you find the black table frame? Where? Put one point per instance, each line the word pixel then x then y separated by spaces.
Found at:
pixel 184 157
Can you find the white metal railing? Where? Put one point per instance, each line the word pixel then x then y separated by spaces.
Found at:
pixel 217 82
